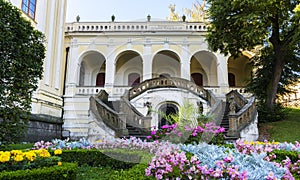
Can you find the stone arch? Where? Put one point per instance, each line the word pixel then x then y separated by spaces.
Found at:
pixel 205 63
pixel 166 61
pixel 241 68
pixel 127 62
pixel 89 65
pixel 166 108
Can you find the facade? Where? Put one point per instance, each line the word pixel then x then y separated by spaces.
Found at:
pixel 116 56
pixel 48 16
pixel 101 78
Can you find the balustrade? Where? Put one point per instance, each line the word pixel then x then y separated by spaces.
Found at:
pixel 240 119
pixel 135 26
pixel 165 83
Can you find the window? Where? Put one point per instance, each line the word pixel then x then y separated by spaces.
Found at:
pixel 231 79
pixel 197 78
pixel 100 81
pixel 28 7
pixel 133 79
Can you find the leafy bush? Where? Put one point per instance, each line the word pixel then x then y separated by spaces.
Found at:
pixel 66 171
pixel 94 158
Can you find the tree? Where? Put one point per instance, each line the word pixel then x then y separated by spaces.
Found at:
pixel 272 25
pixel 22 52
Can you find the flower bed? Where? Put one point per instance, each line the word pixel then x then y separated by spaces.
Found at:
pixel 245 160
pixel 206 132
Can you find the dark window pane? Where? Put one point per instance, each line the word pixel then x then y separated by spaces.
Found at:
pixel 100 81
pixel 231 79
pixel 197 78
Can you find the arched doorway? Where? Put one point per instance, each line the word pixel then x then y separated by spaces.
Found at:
pixel 197 78
pixel 100 80
pixel 166 109
pixel 231 79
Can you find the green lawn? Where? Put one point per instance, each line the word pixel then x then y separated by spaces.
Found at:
pixel 286 130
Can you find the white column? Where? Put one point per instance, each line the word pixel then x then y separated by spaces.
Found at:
pixel 73 66
pixel 147 62
pixel 50 41
pixel 59 57
pixel 110 67
pixel 222 71
pixel 185 63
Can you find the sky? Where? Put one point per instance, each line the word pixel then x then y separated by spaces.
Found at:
pixel 129 10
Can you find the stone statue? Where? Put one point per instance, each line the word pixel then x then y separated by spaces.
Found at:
pixel 200 107
pixel 173 15
pixel 149 106
pixel 231 105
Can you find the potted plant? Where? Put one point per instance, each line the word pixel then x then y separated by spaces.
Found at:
pixel 183 18
pixel 148 17
pixel 113 18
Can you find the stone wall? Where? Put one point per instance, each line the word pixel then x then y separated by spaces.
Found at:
pixel 43 127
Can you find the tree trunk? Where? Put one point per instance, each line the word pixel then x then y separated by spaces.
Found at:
pixel 274 81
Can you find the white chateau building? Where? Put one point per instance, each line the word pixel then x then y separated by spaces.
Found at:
pixel 102 78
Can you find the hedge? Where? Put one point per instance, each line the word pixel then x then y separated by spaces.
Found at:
pixel 67 171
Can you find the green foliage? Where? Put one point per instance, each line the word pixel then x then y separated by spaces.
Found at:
pixel 271 26
pixel 259 83
pixel 278 113
pixel 17 147
pixel 187 115
pixel 64 172
pixel 94 157
pixel 21 65
pixel 282 154
pixel 137 172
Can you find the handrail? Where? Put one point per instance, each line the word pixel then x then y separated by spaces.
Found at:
pixel 134 117
pixel 171 82
pixel 240 100
pixel 108 116
pixel 240 119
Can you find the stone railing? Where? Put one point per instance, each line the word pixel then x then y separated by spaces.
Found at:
pixel 167 83
pixel 134 117
pixel 217 111
pixel 110 117
pixel 88 90
pixel 239 120
pixel 237 98
pixel 135 26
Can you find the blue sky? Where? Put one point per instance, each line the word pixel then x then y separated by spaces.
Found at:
pixel 129 10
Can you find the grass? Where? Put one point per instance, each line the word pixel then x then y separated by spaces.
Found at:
pixel 285 130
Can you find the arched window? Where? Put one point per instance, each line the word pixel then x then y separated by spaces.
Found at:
pixel 197 78
pixel 231 79
pixel 133 79
pixel 100 81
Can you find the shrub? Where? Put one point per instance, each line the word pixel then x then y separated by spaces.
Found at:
pixel 65 171
pixel 94 158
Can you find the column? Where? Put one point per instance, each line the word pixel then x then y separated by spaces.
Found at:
pixel 147 62
pixel 110 66
pixel 222 71
pixel 185 63
pixel 72 68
